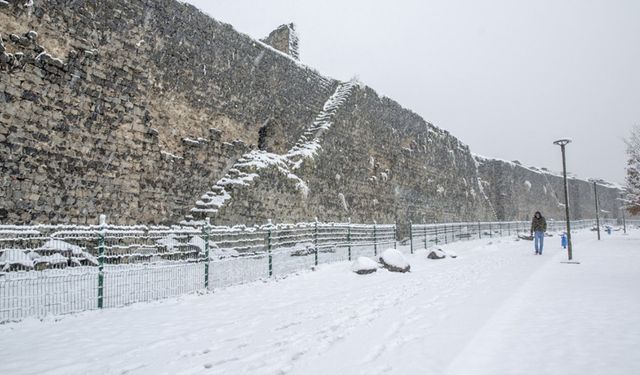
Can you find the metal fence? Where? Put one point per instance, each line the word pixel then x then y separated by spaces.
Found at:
pixel 63 269
pixel 425 235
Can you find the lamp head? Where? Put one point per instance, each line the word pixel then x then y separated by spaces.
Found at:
pixel 562 142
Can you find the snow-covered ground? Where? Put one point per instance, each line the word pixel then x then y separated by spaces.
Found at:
pixel 495 309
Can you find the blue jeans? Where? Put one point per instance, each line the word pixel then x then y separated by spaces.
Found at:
pixel 538 241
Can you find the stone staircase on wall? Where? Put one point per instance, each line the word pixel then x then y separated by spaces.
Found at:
pixel 248 167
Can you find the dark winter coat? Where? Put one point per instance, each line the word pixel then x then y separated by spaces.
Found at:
pixel 538 224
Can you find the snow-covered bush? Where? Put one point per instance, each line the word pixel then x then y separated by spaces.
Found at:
pixel 59 246
pixel 15 259
pixel 214 251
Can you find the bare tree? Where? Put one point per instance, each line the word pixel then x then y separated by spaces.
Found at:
pixel 633 171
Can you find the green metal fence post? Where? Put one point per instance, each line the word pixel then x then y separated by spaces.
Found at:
pixel 315 242
pixel 205 233
pixel 411 235
pixel 395 234
pixel 349 238
pixel 425 235
pixel 436 228
pixel 101 246
pixel 269 249
pixel 479 231
pixel 446 240
pixel 375 240
pixel 490 230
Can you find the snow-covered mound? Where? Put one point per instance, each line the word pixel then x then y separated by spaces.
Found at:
pixel 437 253
pixel 394 261
pixel 364 266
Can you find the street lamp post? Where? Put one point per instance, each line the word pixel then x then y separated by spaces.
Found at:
pixel 562 143
pixel 623 208
pixel 595 192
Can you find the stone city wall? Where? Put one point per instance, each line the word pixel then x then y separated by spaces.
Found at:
pixel 135 109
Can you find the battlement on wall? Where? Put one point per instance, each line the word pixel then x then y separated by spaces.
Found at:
pixel 284 39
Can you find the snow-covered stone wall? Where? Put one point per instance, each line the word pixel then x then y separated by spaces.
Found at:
pixel 516 192
pixel 150 111
pixel 135 108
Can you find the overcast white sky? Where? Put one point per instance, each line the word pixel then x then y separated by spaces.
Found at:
pixel 506 77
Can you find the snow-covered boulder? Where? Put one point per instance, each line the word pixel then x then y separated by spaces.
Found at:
pixel 394 261
pixel 451 254
pixel 299 249
pixel 364 266
pixel 437 254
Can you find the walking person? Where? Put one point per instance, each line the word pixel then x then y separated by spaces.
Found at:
pixel 538 227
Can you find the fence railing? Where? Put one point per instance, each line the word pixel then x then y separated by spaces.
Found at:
pixel 425 235
pixel 63 269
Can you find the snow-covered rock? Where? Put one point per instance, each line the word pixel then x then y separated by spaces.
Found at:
pixel 394 261
pixel 299 249
pixel 364 266
pixel 437 254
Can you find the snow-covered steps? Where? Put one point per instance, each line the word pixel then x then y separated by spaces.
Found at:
pixel 309 143
pixel 247 168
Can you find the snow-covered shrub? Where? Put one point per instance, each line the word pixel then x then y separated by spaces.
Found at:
pixel 50 261
pixel 214 251
pixel 12 259
pixel 60 246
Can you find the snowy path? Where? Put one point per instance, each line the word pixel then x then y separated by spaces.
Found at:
pixel 497 309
